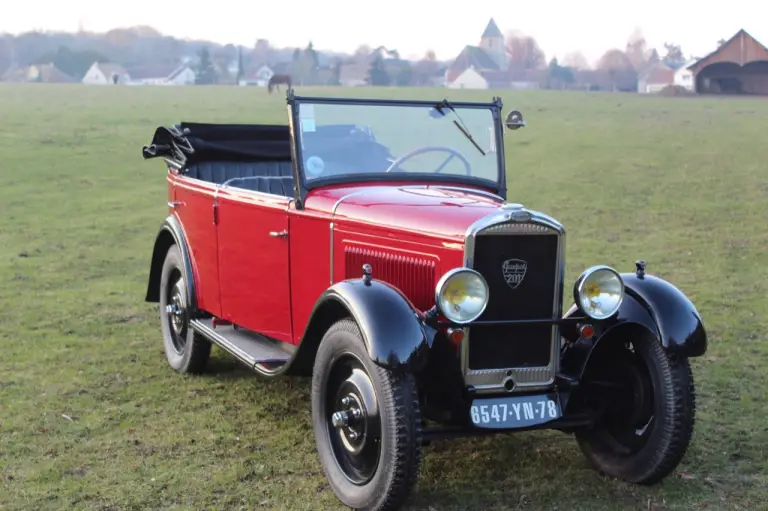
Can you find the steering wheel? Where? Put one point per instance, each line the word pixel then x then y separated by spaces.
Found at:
pixel 452 153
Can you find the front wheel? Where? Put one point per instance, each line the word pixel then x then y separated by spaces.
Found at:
pixel 645 399
pixel 367 423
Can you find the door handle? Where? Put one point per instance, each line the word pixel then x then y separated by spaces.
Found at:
pixel 174 204
pixel 281 234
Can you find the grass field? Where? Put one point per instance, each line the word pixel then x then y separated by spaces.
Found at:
pixel 91 416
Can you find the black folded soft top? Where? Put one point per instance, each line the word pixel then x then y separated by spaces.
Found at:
pixel 188 143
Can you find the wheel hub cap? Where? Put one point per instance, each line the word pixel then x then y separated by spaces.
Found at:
pixel 354 424
pixel 176 313
pixel 350 421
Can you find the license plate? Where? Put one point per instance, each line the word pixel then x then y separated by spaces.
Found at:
pixel 515 411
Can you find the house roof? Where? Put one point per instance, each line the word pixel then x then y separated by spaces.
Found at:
pixel 49 73
pixel 179 69
pixel 46 73
pixel 492 30
pixel 252 71
pixel 740 49
pixel 150 72
pixel 658 73
pixel 470 56
pixel 110 68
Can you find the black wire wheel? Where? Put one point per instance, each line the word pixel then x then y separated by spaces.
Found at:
pixel 367 423
pixel 645 400
pixel 185 350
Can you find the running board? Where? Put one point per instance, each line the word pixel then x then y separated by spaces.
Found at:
pixel 248 347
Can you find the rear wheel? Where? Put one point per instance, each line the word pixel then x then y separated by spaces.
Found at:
pixel 367 423
pixel 185 350
pixel 646 403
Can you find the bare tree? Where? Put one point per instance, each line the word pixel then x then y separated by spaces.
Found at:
pixel 674 55
pixel 523 52
pixel 425 68
pixel 618 67
pixel 615 59
pixel 637 48
pixel 262 52
pixel 576 60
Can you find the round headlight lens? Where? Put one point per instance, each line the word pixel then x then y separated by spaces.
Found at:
pixel 461 295
pixel 599 292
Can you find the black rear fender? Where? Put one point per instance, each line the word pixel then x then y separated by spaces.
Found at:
pixel 170 234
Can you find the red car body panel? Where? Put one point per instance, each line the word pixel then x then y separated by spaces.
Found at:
pixel 254 266
pixel 270 284
pixel 195 214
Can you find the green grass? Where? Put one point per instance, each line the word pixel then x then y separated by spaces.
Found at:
pixel 682 183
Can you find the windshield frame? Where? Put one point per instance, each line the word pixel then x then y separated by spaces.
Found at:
pixel 303 186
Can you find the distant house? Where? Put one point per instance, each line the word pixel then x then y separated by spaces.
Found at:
pixel 738 66
pixel 106 73
pixel 354 73
pixel 182 74
pixel 473 78
pixel 37 73
pixel 258 76
pixel 654 78
pixel 489 56
pixel 684 76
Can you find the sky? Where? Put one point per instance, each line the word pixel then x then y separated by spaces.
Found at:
pixel 410 26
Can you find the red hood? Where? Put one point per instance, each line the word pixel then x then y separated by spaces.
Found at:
pixel 409 207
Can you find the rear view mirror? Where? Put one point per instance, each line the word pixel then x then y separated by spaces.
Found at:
pixel 514 120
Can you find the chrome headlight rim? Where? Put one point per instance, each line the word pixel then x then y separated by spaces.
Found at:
pixel 446 277
pixel 579 287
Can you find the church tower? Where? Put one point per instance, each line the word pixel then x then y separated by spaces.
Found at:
pixel 492 41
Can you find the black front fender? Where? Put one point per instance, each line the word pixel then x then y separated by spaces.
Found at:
pixel 392 330
pixel 170 234
pixel 651 304
pixel 666 312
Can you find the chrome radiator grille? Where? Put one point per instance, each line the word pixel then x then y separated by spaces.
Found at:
pixel 522 262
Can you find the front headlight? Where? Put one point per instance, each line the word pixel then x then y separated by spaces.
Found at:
pixel 599 292
pixel 461 295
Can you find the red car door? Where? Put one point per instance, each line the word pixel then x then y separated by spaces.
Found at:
pixel 253 261
pixel 193 205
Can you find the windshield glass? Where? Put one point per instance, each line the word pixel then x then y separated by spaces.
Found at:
pixel 374 139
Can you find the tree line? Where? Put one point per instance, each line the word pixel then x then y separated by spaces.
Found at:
pixel 74 53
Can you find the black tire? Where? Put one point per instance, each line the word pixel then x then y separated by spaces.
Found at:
pixel 640 440
pixel 356 480
pixel 185 350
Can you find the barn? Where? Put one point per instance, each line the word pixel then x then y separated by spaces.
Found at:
pixel 738 66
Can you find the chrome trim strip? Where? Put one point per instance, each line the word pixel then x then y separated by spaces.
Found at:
pixel 331 275
pixel 205 331
pixel 173 163
pixel 504 223
pixel 333 216
pixel 470 190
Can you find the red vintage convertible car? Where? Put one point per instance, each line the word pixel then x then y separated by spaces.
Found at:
pixel 368 244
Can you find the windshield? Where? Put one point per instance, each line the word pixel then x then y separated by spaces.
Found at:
pixel 339 140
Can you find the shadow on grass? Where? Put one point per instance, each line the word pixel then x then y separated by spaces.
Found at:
pixel 222 366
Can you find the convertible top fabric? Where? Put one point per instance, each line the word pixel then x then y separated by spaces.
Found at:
pixel 190 143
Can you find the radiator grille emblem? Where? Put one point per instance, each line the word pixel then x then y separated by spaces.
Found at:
pixel 514 271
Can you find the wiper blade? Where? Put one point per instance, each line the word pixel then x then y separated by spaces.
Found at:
pixel 459 123
pixel 469 136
